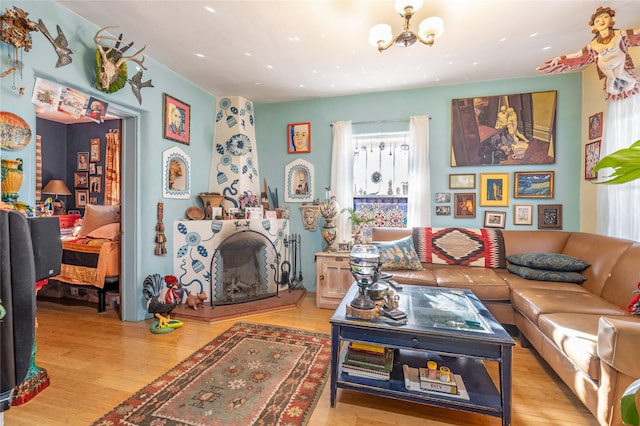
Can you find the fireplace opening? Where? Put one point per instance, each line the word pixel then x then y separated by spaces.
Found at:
pixel 243 269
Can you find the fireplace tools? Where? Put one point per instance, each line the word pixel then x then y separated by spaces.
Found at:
pixel 295 277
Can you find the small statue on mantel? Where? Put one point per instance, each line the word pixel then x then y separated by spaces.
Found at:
pixel 208 211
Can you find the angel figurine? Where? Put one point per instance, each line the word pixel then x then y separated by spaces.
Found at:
pixel 609 50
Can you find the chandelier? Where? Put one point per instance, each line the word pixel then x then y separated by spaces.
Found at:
pixel 430 29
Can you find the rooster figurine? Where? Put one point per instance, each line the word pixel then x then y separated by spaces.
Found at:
pixel 163 295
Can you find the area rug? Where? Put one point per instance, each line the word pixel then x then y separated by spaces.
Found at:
pixel 251 374
pixel 284 300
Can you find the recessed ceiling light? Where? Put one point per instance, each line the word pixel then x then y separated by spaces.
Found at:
pixel 270 67
pixel 533 35
pixel 546 48
pixel 199 55
pixel 210 9
pixel 247 54
pixel 503 39
pixel 301 86
pixel 294 38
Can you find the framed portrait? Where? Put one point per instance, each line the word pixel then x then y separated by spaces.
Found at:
pixel 591 158
pixel 176 174
pixel 523 214
pixel 82 196
pixel 494 219
pixel 98 170
pixel 494 189
pixel 533 184
pixel 81 180
pixel 462 181
pixel 550 216
pixel 465 205
pixel 96 111
pixel 93 200
pixel 176 120
pixel 92 168
pixel 499 130
pixel 443 210
pixel 94 150
pixel 298 138
pixel 443 197
pixel 344 247
pixel 595 126
pixel 298 181
pixel 83 161
pixel 95 184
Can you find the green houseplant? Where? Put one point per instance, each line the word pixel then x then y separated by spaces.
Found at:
pixel 625 162
pixel 357 220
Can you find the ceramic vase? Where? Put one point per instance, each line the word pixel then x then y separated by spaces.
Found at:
pixel 11 179
pixel 329 210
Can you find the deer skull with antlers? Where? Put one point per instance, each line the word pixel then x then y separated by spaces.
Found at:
pixel 111 70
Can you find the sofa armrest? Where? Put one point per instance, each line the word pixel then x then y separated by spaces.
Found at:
pixel 619 343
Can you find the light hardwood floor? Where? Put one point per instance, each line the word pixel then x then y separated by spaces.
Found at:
pixel 95 361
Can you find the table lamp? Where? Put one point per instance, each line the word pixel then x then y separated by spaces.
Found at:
pixel 57 187
pixel 364 260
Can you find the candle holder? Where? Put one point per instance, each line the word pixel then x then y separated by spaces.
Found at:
pixel 364 260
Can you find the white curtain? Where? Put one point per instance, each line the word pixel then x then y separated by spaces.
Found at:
pixel 419 213
pixel 618 205
pixel 342 175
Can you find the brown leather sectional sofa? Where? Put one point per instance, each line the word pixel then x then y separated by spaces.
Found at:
pixel 583 331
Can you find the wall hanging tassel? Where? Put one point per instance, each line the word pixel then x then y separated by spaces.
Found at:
pixel 161 239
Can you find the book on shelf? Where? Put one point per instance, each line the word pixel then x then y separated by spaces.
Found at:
pixel 367 347
pixel 412 382
pixel 368 373
pixel 382 361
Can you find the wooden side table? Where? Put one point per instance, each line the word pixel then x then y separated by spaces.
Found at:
pixel 333 278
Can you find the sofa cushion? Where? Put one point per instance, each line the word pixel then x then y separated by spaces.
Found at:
pixel 576 335
pixel 483 282
pixel 399 254
pixel 533 302
pixel 407 276
pixel 549 261
pixel 460 246
pixel 542 275
pixel 97 216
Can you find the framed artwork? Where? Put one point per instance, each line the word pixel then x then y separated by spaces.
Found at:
pixel 96 111
pixel 595 126
pixel 81 179
pixel 94 150
pixel 591 158
pixel 499 130
pixel 550 216
pixel 523 214
pixel 494 189
pixel 176 174
pixel 494 219
pixel 533 184
pixel 298 181
pixel 92 168
pixel 443 210
pixel 95 184
pixel 93 200
pixel 176 120
pixel 465 205
pixel 462 181
pixel 344 247
pixel 298 138
pixel 98 170
pixel 443 197
pixel 82 196
pixel 83 161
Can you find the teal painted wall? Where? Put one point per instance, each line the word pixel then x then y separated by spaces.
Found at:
pixel 272 120
pixel 271 125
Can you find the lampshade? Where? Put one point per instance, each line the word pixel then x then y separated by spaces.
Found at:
pixel 380 32
pixel 402 4
pixel 56 187
pixel 431 26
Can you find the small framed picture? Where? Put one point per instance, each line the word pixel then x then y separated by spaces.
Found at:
pixel 523 214
pixel 81 179
pixel 462 181
pixel 344 246
pixel 443 210
pixel 176 120
pixel 82 197
pixel 494 189
pixel 533 184
pixel 494 219
pixel 591 158
pixel 254 212
pixel 465 205
pixel 298 138
pixel 443 197
pixel 93 200
pixel 94 150
pixel 270 214
pixel 83 161
pixel 95 184
pixel 92 168
pixel 550 216
pixel 98 170
pixel 595 126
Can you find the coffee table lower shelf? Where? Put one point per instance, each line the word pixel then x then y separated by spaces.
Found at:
pixel 484 397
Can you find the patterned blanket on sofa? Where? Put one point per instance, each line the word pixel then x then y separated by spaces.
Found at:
pixel 460 246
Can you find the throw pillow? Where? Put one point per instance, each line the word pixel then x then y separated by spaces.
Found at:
pixel 110 231
pixel 97 216
pixel 399 254
pixel 545 275
pixel 549 261
pixel 634 305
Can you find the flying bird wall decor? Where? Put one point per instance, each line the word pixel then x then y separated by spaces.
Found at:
pixel 60 44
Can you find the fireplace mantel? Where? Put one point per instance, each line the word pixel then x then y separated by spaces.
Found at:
pixel 196 241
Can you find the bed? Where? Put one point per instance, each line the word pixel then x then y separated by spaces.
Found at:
pixel 92 258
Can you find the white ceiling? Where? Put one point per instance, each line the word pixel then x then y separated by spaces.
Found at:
pixel 270 51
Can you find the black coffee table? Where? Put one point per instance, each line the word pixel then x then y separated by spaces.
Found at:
pixel 444 324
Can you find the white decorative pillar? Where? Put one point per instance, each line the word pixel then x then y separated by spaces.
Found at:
pixel 234 165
